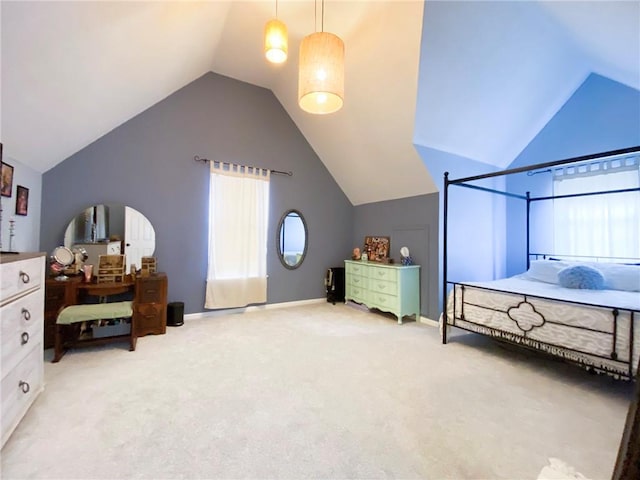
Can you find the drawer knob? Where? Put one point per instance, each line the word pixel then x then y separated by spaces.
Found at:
pixel 26 314
pixel 24 386
pixel 24 338
pixel 24 276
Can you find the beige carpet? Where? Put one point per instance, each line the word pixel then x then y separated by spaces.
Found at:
pixel 320 391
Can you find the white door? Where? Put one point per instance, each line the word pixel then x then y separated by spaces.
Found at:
pixel 139 237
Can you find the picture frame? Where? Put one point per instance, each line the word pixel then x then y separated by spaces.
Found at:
pixel 7 177
pixel 377 248
pixel 22 200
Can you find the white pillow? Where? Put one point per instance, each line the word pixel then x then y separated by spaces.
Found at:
pixel 546 270
pixel 616 275
pixel 619 277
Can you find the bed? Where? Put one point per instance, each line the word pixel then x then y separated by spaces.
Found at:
pixel 597 327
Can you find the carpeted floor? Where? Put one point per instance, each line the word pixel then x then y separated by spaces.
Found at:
pixel 319 391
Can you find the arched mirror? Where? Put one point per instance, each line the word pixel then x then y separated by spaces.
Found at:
pixel 292 239
pixel 112 229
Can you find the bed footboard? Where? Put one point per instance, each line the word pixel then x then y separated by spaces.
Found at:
pixel 600 338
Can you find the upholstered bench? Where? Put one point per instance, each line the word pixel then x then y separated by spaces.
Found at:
pixel 75 314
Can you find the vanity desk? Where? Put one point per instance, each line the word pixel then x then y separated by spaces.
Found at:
pixel 149 295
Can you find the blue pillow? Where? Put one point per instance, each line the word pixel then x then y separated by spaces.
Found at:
pixel 581 276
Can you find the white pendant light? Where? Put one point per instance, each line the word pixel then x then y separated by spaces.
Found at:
pixel 321 72
pixel 275 40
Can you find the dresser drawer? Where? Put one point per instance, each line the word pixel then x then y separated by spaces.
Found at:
pixel 381 273
pixel 151 289
pixel 383 286
pixel 150 318
pixel 55 295
pixel 19 389
pixel 21 328
pixel 383 301
pixel 357 294
pixel 356 269
pixel 21 277
pixel 358 281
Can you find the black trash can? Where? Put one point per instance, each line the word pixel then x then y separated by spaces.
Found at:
pixel 175 314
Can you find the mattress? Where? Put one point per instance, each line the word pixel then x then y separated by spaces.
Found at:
pixel 572 323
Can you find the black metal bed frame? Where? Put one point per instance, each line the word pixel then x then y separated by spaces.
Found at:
pixel 523 340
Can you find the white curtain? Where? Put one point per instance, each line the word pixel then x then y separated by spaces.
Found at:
pixel 238 222
pixel 598 225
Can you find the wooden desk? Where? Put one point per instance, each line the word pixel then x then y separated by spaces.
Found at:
pixel 148 293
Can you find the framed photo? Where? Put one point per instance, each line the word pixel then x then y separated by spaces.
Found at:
pixel 7 179
pixel 377 248
pixel 22 200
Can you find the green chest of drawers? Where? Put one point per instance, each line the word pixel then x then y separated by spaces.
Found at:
pixel 390 288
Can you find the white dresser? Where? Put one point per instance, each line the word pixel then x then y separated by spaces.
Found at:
pixel 21 318
pixel 390 288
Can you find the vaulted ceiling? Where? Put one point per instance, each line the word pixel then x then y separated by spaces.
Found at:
pixel 478 79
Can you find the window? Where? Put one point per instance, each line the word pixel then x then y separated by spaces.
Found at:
pixel 238 224
pixel 598 225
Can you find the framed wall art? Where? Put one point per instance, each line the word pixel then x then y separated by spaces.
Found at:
pixel 22 200
pixel 376 248
pixel 7 177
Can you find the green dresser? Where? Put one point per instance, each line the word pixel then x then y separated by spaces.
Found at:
pixel 390 288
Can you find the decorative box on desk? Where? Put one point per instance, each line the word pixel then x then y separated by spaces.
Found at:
pixel 150 304
pixel 148 265
pixel 390 288
pixel 111 268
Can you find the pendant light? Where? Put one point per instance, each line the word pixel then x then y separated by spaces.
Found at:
pixel 321 74
pixel 275 40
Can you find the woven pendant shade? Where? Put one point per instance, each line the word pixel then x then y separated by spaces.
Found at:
pixel 275 41
pixel 321 73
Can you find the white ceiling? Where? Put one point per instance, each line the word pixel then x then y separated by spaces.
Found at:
pixel 493 74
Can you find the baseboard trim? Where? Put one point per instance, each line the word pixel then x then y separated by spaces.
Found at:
pixel 273 306
pixel 428 321
pixel 253 308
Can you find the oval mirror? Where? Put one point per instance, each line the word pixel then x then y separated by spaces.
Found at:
pixel 292 239
pixel 112 229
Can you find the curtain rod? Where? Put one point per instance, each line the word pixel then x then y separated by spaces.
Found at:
pixel 206 160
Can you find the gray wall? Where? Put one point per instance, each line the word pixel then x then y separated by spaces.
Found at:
pixel 147 163
pixel 410 222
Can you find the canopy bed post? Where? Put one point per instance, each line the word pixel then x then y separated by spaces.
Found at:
pixel 444 253
pixel 528 195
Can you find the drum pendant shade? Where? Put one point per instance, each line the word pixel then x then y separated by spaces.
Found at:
pixel 275 41
pixel 321 73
